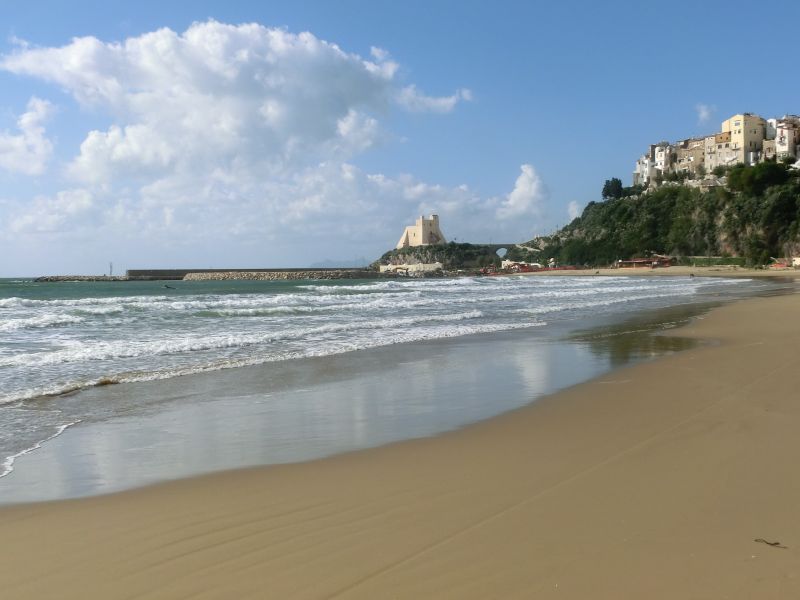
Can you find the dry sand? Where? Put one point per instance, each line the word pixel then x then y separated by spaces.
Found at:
pixel 651 482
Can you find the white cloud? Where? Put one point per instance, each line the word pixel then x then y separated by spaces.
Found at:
pixel 415 101
pixel 262 99
pixel 526 199
pixel 704 113
pixel 244 135
pixel 54 214
pixel 324 205
pixel 28 151
pixel 574 210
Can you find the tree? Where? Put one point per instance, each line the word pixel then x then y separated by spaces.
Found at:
pixel 612 188
pixel 754 180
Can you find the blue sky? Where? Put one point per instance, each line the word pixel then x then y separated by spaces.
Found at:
pixel 151 142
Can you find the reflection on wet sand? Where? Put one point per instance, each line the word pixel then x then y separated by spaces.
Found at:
pixel 641 336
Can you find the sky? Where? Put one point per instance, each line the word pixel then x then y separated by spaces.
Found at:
pixel 281 134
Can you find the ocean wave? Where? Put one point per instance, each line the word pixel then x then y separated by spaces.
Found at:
pixel 325 348
pixel 566 306
pixel 14 301
pixel 105 350
pixel 42 321
pixel 100 310
pixel 423 284
pixel 180 335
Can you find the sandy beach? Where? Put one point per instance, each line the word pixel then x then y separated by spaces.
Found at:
pixel 669 479
pixel 680 271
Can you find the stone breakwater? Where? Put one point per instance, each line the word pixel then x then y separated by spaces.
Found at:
pixel 282 275
pixel 69 278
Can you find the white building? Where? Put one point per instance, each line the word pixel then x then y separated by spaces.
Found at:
pixel 644 170
pixel 662 157
pixel 785 133
pixel 411 268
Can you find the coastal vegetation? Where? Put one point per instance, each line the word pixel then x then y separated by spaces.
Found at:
pixel 751 217
pixel 452 256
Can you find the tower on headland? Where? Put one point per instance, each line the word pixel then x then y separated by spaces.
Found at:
pixel 425 232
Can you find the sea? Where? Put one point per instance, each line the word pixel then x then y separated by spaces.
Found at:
pixel 278 370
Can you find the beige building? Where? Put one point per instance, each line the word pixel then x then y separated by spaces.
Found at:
pixel 710 152
pixel 425 232
pixel 748 132
pixel 719 151
pixel 745 138
pixel 768 150
pixel 689 156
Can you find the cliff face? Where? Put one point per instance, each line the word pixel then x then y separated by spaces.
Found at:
pixel 755 216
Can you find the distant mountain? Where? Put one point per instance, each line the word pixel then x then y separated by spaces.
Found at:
pixel 354 263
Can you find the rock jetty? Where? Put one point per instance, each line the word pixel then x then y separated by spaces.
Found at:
pixel 69 278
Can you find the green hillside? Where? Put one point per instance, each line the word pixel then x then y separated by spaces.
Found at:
pixel 755 215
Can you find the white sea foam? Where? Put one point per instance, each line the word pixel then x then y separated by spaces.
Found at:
pixel 106 350
pixel 565 306
pixel 38 322
pixel 57 345
pixel 323 348
pixel 7 466
pixel 100 310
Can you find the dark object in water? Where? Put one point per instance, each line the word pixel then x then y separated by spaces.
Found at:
pixel 169 287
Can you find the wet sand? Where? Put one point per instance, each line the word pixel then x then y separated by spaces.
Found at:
pixel 654 481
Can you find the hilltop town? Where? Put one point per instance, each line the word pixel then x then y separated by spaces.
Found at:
pixel 745 138
pixel 738 204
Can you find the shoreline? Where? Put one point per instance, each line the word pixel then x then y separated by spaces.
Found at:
pixel 677 271
pixel 352 273
pixel 260 404
pixel 653 480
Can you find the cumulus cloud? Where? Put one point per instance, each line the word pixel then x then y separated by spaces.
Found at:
pixel 243 134
pixel 53 214
pixel 704 113
pixel 415 101
pixel 574 210
pixel 526 198
pixel 29 150
pixel 216 94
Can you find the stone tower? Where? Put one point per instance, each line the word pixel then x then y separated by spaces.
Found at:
pixel 425 232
